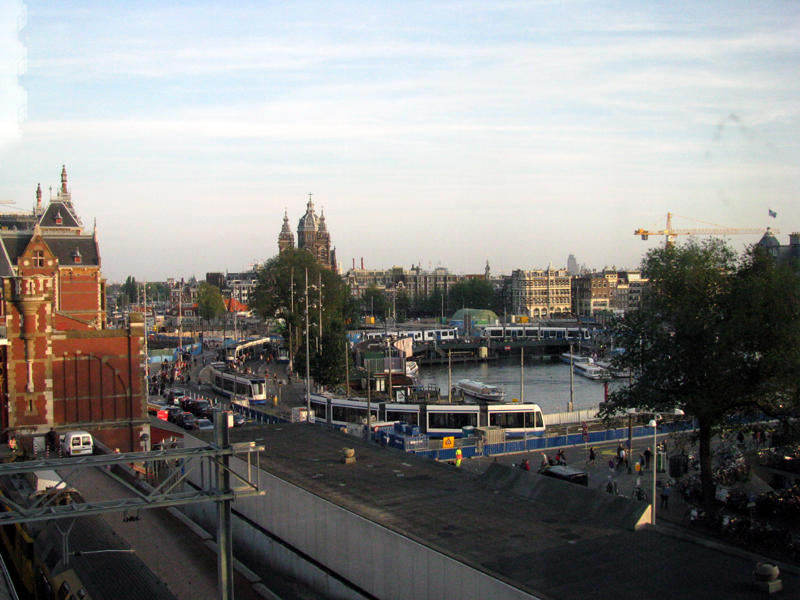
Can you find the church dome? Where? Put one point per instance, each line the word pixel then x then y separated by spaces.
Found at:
pixel 309 221
pixel 769 240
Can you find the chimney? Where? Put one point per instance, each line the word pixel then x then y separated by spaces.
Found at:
pixel 794 239
pixel 362 263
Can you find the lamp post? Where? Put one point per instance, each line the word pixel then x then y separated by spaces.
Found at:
pixel 654 424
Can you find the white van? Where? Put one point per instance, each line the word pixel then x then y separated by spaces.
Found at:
pixel 76 443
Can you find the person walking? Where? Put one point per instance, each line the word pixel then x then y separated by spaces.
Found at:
pixel 592 457
pixel 665 492
pixel 648 454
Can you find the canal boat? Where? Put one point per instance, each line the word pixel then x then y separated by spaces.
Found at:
pixel 591 371
pixel 576 359
pixel 480 390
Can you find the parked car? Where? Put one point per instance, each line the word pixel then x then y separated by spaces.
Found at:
pixel 239 420
pixel 198 407
pixel 204 425
pixel 173 412
pixel 183 418
pixel 154 405
pixel 175 395
pixel 188 404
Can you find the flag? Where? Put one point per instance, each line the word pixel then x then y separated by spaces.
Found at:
pixel 773 214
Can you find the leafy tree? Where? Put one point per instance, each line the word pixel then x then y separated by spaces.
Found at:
pixel 698 343
pixel 128 292
pixel 374 302
pixel 402 305
pixel 280 295
pixel 473 293
pixel 209 301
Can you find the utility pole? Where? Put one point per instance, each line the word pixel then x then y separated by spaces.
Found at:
pixel 308 366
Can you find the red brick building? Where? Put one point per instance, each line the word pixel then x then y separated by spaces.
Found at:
pixel 61 366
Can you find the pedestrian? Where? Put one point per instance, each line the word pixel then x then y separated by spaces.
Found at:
pixel 665 492
pixel 525 466
pixel 562 458
pixel 648 454
pixel 592 456
pixel 51 438
pixel 641 461
pixel 545 462
pixel 611 464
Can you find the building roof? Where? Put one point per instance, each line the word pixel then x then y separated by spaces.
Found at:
pixel 66 248
pixel 491 522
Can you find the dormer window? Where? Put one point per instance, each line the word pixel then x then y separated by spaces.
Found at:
pixel 38 258
pixel 58 219
pixel 76 257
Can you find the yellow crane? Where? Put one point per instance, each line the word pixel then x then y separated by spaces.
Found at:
pixel 671 233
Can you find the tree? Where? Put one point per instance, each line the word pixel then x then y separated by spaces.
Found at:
pixel 473 293
pixel 280 295
pixel 374 302
pixel 402 305
pixel 209 301
pixel 703 341
pixel 129 292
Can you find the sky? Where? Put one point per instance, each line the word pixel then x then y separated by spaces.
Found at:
pixel 430 133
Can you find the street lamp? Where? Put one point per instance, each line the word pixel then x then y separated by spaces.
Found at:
pixel 654 424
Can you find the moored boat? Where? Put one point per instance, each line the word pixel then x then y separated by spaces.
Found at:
pixel 480 390
pixel 576 359
pixel 614 372
pixel 591 371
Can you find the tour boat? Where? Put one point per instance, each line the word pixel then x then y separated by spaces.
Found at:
pixel 482 391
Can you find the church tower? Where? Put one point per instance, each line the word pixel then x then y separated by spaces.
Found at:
pixel 286 238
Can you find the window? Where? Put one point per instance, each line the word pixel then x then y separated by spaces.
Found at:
pixel 38 258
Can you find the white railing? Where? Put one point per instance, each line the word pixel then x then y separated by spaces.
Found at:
pixel 575 416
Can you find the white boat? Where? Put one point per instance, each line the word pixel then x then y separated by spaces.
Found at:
pixel 576 359
pixel 590 370
pixel 482 391
pixel 412 368
pixel 614 372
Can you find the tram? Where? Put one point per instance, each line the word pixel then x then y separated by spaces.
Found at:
pixel 242 386
pixel 435 420
pixel 530 332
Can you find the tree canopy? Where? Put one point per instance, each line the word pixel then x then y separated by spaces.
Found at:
pixel 280 294
pixel 209 301
pixel 716 336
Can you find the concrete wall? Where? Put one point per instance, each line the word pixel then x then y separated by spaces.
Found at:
pixel 339 553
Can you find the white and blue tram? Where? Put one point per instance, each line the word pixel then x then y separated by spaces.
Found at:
pixel 435 420
pixel 447 334
pixel 532 332
pixel 241 386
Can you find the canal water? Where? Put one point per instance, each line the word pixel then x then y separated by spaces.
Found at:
pixel 546 384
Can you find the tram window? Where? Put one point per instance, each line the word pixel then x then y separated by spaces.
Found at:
pixel 227 385
pixel 412 418
pixel 348 414
pixel 243 388
pixel 459 420
pixel 320 411
pixel 534 420
pixel 507 420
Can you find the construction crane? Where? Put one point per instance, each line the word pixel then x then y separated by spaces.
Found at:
pixel 671 233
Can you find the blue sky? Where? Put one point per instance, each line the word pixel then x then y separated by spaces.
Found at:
pixel 438 133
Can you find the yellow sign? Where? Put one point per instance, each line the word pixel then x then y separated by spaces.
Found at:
pixel 448 442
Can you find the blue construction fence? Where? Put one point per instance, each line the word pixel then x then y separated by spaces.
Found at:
pixel 534 444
